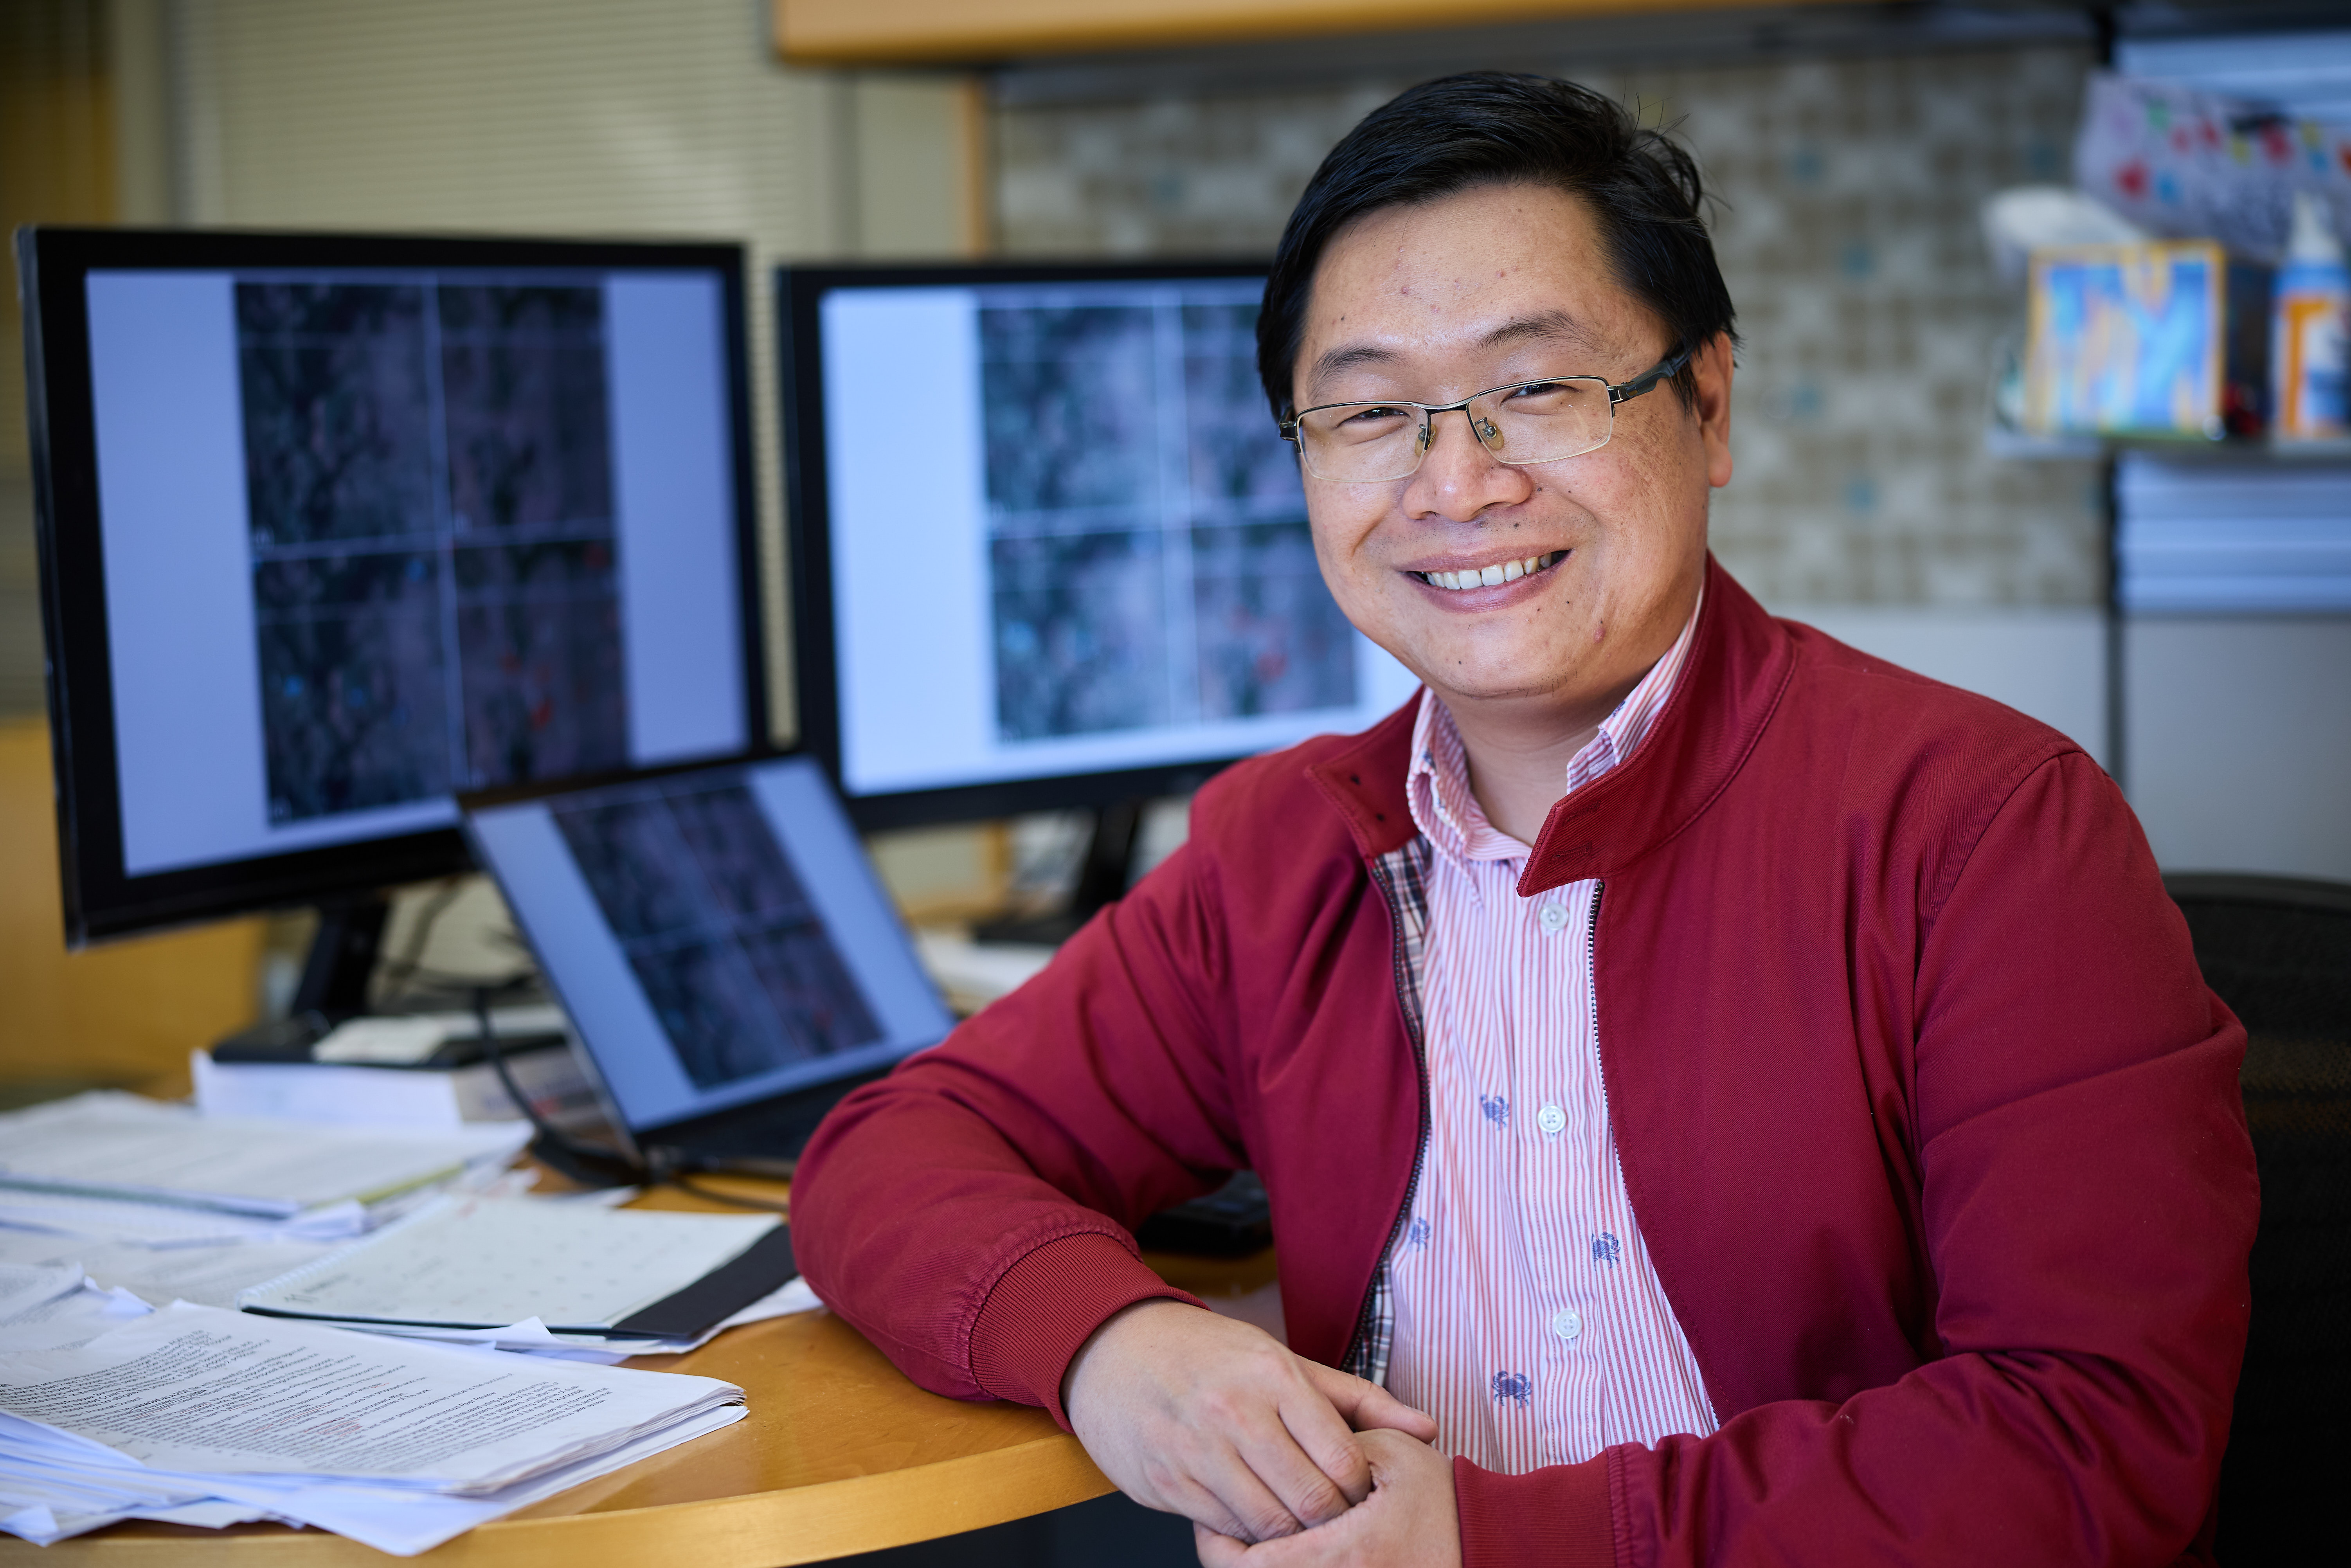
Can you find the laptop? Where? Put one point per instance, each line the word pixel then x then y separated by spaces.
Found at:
pixel 730 963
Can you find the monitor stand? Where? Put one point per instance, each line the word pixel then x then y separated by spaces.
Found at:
pixel 1102 879
pixel 334 984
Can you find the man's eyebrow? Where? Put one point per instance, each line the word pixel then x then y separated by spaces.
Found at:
pixel 1551 325
pixel 1338 360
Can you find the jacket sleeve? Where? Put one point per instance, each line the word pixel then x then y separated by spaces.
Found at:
pixel 971 1214
pixel 2088 1207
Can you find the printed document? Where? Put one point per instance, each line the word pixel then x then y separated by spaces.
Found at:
pixel 119 1145
pixel 194 1389
pixel 252 1397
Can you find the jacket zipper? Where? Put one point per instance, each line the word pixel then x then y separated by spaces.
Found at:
pixel 1591 981
pixel 1412 1021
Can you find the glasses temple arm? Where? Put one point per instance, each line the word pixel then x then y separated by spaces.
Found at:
pixel 1671 365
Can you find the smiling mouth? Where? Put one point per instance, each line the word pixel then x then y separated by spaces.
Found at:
pixel 1492 576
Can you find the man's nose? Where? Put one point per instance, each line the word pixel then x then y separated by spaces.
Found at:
pixel 1459 476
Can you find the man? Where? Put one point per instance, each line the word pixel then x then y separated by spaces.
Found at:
pixel 1741 1101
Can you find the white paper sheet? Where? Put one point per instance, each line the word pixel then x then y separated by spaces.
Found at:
pixel 194 1389
pixel 484 1262
pixel 109 1143
pixel 25 1285
pixel 210 1276
pixel 397 1520
pixel 74 1318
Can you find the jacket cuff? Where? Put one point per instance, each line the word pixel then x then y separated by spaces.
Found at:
pixel 1044 1308
pixel 1557 1516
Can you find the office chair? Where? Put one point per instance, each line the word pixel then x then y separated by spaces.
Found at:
pixel 2278 951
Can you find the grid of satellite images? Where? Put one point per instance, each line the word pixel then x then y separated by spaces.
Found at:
pixel 717 928
pixel 435 580
pixel 1149 557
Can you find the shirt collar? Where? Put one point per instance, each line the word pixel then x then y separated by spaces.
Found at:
pixel 1436 783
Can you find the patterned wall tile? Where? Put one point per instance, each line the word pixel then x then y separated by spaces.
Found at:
pixel 1847 230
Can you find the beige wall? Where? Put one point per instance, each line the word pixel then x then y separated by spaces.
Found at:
pixel 126 1013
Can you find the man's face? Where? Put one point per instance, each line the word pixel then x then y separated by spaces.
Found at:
pixel 1433 303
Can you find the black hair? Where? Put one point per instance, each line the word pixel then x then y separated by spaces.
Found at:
pixel 1494 128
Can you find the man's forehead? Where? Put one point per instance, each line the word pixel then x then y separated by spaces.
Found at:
pixel 1557 327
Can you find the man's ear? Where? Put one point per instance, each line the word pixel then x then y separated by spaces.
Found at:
pixel 1711 408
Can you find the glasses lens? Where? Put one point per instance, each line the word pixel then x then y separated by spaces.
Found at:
pixel 1361 443
pixel 1542 421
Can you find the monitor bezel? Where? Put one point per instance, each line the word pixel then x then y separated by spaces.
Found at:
pixel 100 899
pixel 800 293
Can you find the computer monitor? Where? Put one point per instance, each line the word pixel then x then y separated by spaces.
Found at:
pixel 1047 548
pixel 332 527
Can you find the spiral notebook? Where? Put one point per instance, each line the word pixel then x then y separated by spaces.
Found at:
pixel 486 1264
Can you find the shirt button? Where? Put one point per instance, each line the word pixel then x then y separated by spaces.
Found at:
pixel 1565 1323
pixel 1551 1120
pixel 1552 916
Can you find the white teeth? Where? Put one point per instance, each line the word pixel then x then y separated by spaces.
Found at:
pixel 1492 576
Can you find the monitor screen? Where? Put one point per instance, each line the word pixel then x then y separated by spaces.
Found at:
pixel 337 526
pixel 716 933
pixel 1049 546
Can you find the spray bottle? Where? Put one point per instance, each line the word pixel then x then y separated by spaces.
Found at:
pixel 2313 314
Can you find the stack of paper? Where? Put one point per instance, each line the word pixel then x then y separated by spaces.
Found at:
pixel 162 1252
pixel 202 1416
pixel 155 1199
pixel 123 1147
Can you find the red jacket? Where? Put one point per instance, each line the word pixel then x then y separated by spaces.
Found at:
pixel 1931 1125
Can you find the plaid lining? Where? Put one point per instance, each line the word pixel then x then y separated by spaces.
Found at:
pixel 1403 876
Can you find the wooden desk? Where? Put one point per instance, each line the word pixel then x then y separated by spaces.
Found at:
pixel 839 1453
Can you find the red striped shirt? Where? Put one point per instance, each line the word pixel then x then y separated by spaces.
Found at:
pixel 1524 1312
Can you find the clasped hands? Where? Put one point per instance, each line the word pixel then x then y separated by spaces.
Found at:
pixel 1277 1461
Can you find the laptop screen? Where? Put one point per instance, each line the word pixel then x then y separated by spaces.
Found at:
pixel 717 936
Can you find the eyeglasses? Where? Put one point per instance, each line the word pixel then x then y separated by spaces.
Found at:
pixel 1524 422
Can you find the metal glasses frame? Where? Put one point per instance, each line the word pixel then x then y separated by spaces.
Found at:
pixel 1619 392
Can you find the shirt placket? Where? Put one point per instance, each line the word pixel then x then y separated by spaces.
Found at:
pixel 1515 1159
pixel 1555 1316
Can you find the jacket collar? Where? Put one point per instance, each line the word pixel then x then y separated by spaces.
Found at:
pixel 1740 662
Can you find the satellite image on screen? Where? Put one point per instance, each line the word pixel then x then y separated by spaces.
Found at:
pixel 717 928
pixel 435 580
pixel 1149 563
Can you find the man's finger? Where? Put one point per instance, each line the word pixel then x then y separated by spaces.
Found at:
pixel 1217 1551
pixel 1321 1437
pixel 1203 1506
pixel 1312 1478
pixel 1226 1491
pixel 1366 1405
pixel 1223 1551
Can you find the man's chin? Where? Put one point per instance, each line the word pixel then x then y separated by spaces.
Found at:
pixel 1500 688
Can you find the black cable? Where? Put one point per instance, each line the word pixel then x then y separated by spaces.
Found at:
pixel 583 1162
